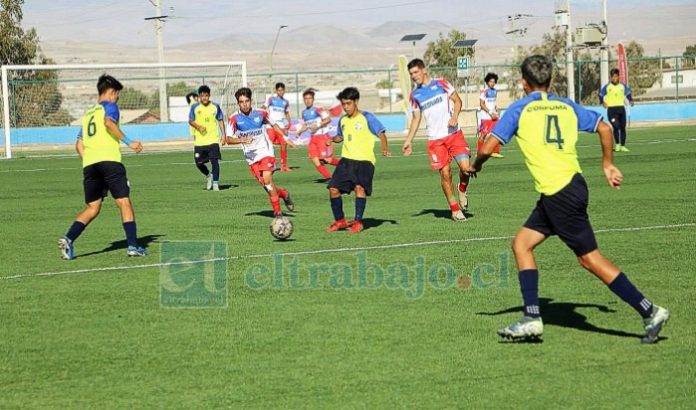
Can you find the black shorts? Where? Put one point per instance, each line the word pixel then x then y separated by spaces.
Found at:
pixel 617 117
pixel 204 153
pixel 565 214
pixel 349 173
pixel 102 177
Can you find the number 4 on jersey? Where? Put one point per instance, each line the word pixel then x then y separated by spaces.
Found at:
pixel 553 131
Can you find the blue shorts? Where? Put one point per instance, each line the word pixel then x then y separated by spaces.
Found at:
pixel 565 214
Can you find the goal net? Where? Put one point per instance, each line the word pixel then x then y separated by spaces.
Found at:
pixel 42 105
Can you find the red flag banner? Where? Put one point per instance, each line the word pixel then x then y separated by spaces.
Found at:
pixel 623 63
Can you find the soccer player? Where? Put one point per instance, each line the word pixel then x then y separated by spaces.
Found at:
pixel 489 112
pixel 98 146
pixel 279 113
pixel 206 119
pixel 547 131
pixel 247 126
pixel 612 97
pixel 316 120
pixel 439 103
pixel 357 130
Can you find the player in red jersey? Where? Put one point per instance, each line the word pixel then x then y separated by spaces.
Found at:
pixel 247 126
pixel 316 120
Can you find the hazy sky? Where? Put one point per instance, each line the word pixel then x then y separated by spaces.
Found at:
pixel 121 21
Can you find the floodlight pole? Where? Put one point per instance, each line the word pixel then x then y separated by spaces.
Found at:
pixel 604 64
pixel 570 68
pixel 275 42
pixel 159 26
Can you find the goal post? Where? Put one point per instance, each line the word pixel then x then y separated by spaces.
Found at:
pixel 42 104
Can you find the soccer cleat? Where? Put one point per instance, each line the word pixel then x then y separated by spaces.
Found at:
pixel 525 329
pixel 216 187
pixel 356 227
pixel 496 155
pixel 463 197
pixel 337 225
pixel 67 251
pixel 458 216
pixel 617 148
pixel 136 251
pixel 654 324
pixel 209 182
pixel 289 203
pixel 623 148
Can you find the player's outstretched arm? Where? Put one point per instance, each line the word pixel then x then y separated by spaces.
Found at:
pixel 611 172
pixel 283 133
pixel 482 156
pixel 115 130
pixel 385 144
pixel 415 122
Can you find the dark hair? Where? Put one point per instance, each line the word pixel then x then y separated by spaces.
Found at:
pixel 416 62
pixel 614 71
pixel 309 91
pixel 280 85
pixel 537 70
pixel 243 92
pixel 204 89
pixel 106 82
pixel 190 96
pixel 349 93
pixel 491 76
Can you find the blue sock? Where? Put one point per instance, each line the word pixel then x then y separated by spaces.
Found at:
pixel 629 294
pixel 337 208
pixel 75 230
pixel 216 169
pixel 131 233
pixel 529 285
pixel 360 204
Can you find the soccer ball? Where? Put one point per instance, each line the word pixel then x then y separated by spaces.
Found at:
pixel 281 228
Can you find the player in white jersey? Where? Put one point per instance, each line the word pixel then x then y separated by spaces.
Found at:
pixel 439 103
pixel 278 108
pixel 247 126
pixel 489 112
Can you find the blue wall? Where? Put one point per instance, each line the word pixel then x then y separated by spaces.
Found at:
pixel 393 123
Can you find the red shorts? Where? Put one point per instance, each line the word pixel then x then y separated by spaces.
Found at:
pixel 317 147
pixel 264 164
pixel 487 126
pixel 276 139
pixel 441 151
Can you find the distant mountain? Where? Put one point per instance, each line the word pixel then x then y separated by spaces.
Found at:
pixel 395 30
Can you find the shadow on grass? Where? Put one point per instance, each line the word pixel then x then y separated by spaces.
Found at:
pixel 267 214
pixel 565 315
pixel 143 241
pixel 440 213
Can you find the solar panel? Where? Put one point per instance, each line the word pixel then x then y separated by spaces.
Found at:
pixel 464 43
pixel 412 37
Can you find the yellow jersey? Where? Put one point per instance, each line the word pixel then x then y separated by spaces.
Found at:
pixel 207 116
pixel 99 144
pixel 615 94
pixel 547 128
pixel 359 133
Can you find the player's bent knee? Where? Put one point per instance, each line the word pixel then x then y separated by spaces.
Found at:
pixel 334 193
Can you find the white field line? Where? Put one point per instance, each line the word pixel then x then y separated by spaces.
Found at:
pixel 647 142
pixel 321 251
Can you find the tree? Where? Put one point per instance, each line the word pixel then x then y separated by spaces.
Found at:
pixel 440 53
pixel 642 72
pixel 689 56
pixel 36 98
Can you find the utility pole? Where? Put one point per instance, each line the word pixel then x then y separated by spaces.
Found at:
pixel 570 69
pixel 159 26
pixel 604 63
pixel 275 42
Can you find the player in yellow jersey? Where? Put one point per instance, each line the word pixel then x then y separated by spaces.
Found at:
pixel 206 119
pixel 547 128
pixel 357 130
pixel 98 145
pixel 613 97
